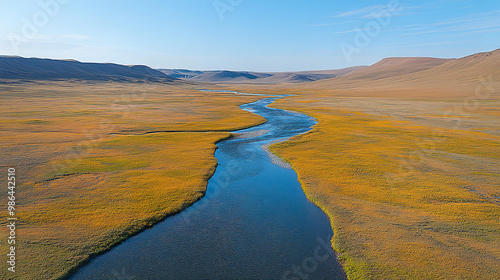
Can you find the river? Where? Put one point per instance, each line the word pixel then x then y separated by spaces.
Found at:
pixel 254 222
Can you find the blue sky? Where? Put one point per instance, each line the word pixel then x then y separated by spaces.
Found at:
pixel 253 35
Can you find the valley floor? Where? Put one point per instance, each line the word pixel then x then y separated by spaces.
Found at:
pixel 89 173
pixel 410 181
pixel 411 184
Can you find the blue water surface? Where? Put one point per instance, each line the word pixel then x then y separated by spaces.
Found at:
pixel 254 222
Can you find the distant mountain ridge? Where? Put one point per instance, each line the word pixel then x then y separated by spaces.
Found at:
pixel 225 76
pixel 19 68
pixel 388 72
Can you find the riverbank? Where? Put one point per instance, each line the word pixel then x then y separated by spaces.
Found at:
pixel 84 188
pixel 251 204
pixel 409 195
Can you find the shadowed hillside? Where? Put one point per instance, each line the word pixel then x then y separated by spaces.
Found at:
pixel 245 77
pixel 12 67
pixel 181 73
pixel 224 76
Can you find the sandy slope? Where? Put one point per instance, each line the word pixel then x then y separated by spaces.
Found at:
pixel 453 78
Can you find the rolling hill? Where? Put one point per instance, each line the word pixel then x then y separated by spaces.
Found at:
pixel 19 68
pixel 417 76
pixel 336 72
pixel 463 70
pixel 225 76
pixel 394 66
pixel 180 73
pixel 246 77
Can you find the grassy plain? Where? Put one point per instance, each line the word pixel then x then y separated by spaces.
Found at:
pixel 406 167
pixel 91 172
pixel 412 190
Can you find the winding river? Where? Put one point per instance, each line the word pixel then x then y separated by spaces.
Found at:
pixel 253 223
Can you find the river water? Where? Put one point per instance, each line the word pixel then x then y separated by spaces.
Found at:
pixel 253 223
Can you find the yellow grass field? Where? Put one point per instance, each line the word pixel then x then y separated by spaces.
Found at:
pixel 412 187
pixel 90 174
pixel 408 177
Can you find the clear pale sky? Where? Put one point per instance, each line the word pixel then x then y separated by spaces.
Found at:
pixel 258 35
